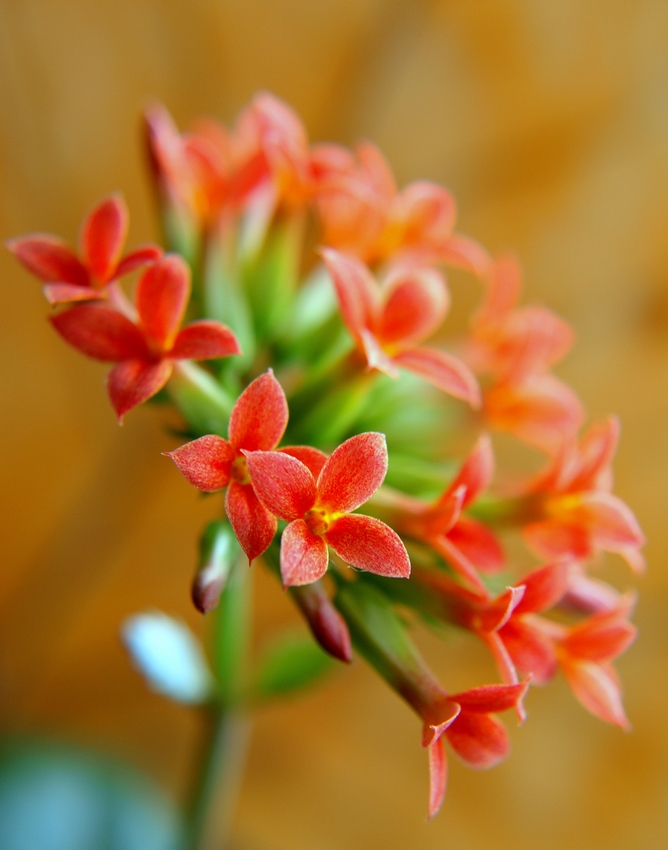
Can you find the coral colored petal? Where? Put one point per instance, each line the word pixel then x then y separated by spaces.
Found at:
pixel 459 563
pixel 428 213
pixel 416 301
pixel 376 358
pixel 353 472
pixel 596 687
pixel 438 776
pixel 478 544
pixel 480 740
pixel 162 296
pixel 139 257
pixel 100 333
pixel 205 463
pixel 441 517
pixel 253 525
pixel 444 371
pixel 312 458
pixel 496 614
pixel 259 416
pixel 532 652
pixel 204 340
pixel 601 637
pixel 595 453
pixel 134 381
pixel 369 544
pixel 49 259
pixel 356 289
pixel 282 483
pixel 611 523
pixel 464 253
pixel 490 699
pixel 544 587
pixel 504 282
pixel 103 235
pixel 554 538
pixel 66 293
pixel 304 555
pixel 477 471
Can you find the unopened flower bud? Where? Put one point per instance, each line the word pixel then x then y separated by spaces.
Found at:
pixel 218 551
pixel 327 625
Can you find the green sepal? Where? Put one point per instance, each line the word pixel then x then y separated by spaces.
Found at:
pixel 203 402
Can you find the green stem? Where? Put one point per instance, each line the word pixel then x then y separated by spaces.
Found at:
pixel 227 729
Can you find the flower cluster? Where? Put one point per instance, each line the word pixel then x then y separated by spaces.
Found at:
pixel 312 284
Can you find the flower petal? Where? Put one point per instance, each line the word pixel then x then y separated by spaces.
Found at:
pixel 477 471
pixel 66 293
pixel 416 302
pixel 368 544
pixel 480 740
pixel 490 699
pixel 104 232
pixel 100 333
pixel 253 525
pixel 282 483
pixel 141 256
pixel 49 259
pixel 544 587
pixel 259 416
pixel 312 458
pixel 162 296
pixel 438 776
pixel 353 472
pixel 356 289
pixel 134 381
pixel 464 253
pixel 443 370
pixel 204 340
pixel 478 544
pixel 596 687
pixel 532 652
pixel 205 462
pixel 304 555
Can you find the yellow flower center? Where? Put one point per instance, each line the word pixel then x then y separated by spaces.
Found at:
pixel 239 471
pixel 318 521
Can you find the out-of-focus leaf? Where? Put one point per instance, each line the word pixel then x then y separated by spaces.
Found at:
pixel 55 798
pixel 289 663
pixel 169 656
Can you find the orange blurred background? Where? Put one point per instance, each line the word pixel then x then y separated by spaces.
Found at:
pixel 548 119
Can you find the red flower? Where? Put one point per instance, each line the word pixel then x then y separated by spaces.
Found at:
pixel 68 278
pixel 145 351
pixel 257 422
pixel 319 511
pixel 387 322
pixel 465 544
pixel 469 723
pixel 573 512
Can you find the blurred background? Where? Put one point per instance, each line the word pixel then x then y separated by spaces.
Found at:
pixel 548 119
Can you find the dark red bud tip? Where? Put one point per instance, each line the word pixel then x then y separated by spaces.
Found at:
pixel 205 592
pixel 330 630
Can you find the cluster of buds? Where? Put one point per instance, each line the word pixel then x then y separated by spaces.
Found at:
pixel 311 283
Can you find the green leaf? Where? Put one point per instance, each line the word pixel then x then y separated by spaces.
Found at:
pixel 290 663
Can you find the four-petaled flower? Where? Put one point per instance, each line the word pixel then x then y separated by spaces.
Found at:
pixel 388 321
pixel 68 278
pixel 257 423
pixel 319 510
pixel 145 351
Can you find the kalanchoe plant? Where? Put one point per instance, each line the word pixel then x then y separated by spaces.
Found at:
pixel 311 282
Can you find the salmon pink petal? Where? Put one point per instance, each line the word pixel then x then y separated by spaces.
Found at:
pixel 282 483
pixel 204 340
pixel 596 687
pixel 376 358
pixel 477 471
pixel 135 259
pixel 532 652
pixel 206 463
pixel 537 339
pixel 490 699
pixel 376 170
pixel 595 453
pixel 496 614
pixel 49 259
pixel 438 776
pixel 504 282
pixel 356 289
pixel 66 293
pixel 304 555
pixel 353 472
pixel 134 381
pixel 610 522
pixel 462 252
pixel 104 233
pixel 369 544
pixel 312 458
pixel 441 517
pixel 478 544
pixel 260 415
pixel 601 638
pixel 162 297
pixel 444 371
pixel 480 740
pixel 459 563
pixel 544 587
pixel 100 333
pixel 553 538
pixel 253 525
pixel 416 301
pixel 429 213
